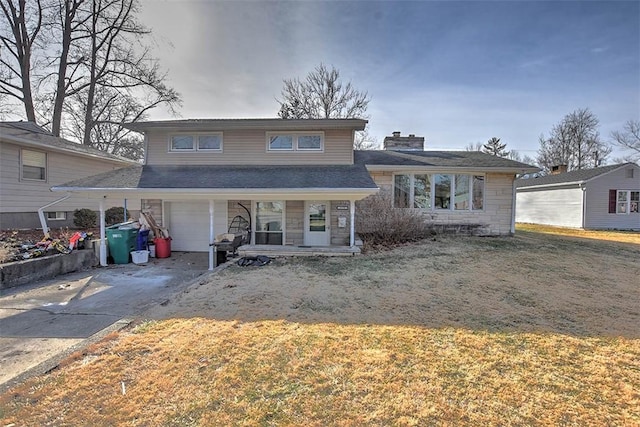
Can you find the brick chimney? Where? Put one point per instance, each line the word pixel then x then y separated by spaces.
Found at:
pixel 558 169
pixel 409 143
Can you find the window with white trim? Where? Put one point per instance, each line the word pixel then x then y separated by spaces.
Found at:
pixel 460 192
pixel 196 142
pixel 300 141
pixel 56 216
pixel 627 201
pixel 34 165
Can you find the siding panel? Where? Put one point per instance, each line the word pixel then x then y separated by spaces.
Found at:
pixel 249 147
pixel 561 207
pixel 597 200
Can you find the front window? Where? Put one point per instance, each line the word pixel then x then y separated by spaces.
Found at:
pixel 462 194
pixel 269 220
pixel 424 191
pixel 478 193
pixel 305 141
pixel 196 142
pixel 34 165
pixel 181 142
pixel 281 142
pixel 402 191
pixel 442 191
pixel 421 192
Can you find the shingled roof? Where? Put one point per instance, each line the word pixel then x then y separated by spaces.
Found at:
pixel 575 176
pixel 439 159
pixel 336 177
pixel 29 133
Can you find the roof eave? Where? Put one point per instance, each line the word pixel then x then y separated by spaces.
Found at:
pixel 23 141
pixel 400 168
pixel 232 124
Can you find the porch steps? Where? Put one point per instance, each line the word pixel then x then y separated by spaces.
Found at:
pixel 290 250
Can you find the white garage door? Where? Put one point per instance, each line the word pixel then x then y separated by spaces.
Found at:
pixel 189 224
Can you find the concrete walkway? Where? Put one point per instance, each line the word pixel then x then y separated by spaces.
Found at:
pixel 41 323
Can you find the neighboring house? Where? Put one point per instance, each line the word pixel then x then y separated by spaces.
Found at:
pixel 452 189
pixel 32 160
pixel 299 180
pixel 606 197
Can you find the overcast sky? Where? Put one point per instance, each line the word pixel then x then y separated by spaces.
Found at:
pixel 453 72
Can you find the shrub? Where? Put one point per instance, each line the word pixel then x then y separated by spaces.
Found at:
pixel 84 218
pixel 114 215
pixel 379 224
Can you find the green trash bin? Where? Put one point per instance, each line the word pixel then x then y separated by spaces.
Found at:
pixel 122 240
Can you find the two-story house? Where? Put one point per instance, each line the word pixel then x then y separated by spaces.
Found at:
pixel 298 180
pixel 32 160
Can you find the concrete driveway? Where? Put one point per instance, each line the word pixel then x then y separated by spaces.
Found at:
pixel 43 322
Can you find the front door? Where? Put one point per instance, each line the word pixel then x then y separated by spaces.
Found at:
pixel 316 224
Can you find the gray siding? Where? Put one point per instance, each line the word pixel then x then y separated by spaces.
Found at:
pixel 23 196
pixel 249 147
pixel 597 200
pixel 561 207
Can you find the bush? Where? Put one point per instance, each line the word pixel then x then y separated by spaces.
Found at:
pixel 114 215
pixel 84 218
pixel 379 224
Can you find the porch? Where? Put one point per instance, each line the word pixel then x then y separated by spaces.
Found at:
pixel 293 250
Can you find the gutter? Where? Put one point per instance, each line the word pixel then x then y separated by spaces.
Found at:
pixel 43 220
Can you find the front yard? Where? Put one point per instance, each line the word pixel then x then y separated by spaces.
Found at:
pixel 535 329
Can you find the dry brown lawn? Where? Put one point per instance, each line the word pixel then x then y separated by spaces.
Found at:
pixel 533 330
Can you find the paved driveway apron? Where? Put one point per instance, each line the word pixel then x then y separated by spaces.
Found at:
pixel 42 320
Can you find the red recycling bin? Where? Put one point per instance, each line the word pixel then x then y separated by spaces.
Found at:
pixel 163 247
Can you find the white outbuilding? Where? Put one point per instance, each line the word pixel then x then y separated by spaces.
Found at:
pixel 607 197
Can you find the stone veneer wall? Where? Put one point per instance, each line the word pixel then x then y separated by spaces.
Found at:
pixel 495 219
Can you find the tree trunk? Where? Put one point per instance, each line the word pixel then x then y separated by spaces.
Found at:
pixel 69 13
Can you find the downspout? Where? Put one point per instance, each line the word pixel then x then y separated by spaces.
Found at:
pixel 584 205
pixel 513 206
pixel 103 238
pixel 352 223
pixel 212 251
pixel 43 221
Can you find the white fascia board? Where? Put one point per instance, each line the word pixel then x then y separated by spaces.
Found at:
pixel 223 194
pixel 47 147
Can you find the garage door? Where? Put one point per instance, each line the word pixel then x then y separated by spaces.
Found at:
pixel 189 224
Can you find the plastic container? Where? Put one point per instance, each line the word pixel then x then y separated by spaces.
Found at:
pixel 140 257
pixel 152 250
pixel 121 241
pixel 163 247
pixel 141 240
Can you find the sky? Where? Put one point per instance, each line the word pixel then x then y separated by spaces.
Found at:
pixel 455 72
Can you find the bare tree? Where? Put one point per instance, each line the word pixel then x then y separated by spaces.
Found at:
pixel 322 95
pixel 365 141
pixel 629 139
pixel 97 70
pixel 495 147
pixel 474 147
pixel 574 142
pixel 18 34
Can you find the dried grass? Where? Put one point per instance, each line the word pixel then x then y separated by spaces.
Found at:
pixel 207 372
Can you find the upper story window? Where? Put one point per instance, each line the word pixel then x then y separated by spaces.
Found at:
pixel 307 141
pixel 439 191
pixel 196 142
pixel 34 165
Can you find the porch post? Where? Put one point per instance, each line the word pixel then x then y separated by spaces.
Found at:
pixel 352 223
pixel 211 235
pixel 103 238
